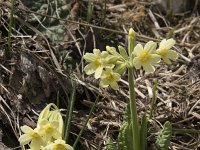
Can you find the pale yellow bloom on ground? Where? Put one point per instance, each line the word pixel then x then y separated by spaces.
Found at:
pixel 165 51
pixel 145 57
pixel 31 136
pixel 49 130
pixel 58 145
pixel 96 62
pixel 55 115
pixel 109 78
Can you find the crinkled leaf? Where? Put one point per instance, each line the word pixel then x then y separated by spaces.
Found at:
pixel 163 138
pixel 125 137
pixel 110 145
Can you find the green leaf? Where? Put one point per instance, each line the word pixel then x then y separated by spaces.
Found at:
pixel 143 132
pixel 125 137
pixel 110 145
pixel 127 114
pixel 123 52
pixel 112 50
pixel 120 68
pixel 163 138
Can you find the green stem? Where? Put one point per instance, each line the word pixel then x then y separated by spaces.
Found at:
pixel 134 117
pixel 153 100
pixel 184 131
pixel 70 111
pixel 8 51
pixel 80 133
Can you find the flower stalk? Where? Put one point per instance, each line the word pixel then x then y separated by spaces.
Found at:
pixel 133 108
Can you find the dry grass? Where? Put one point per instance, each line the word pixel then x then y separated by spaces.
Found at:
pixel 36 71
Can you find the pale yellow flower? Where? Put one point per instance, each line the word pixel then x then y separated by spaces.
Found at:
pixel 96 62
pixel 145 57
pixel 55 115
pixel 165 51
pixel 49 130
pixel 58 145
pixel 31 136
pixel 51 113
pixel 109 78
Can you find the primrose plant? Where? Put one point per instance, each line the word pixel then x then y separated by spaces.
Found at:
pixel 48 133
pixel 109 65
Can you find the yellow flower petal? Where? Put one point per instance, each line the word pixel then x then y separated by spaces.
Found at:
pixel 26 129
pixel 59 141
pixel 116 77
pixel 150 46
pixel 155 58
pixel 172 54
pixel 109 77
pixel 36 144
pixel 162 44
pixel 59 145
pixel 96 52
pixel 69 147
pixel 49 130
pixel 148 68
pixel 138 48
pixel 114 85
pixel 170 43
pixel 89 57
pixel 104 83
pixel 166 60
pixel 24 139
pixel 165 51
pixel 98 72
pixel 90 69
pixel 137 63
pixel 43 122
pixel 104 54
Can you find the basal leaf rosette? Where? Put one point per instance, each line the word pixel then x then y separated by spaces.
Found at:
pixel 165 51
pixel 145 56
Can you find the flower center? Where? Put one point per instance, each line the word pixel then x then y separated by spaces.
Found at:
pixel 162 52
pixel 34 134
pixel 110 77
pixel 97 61
pixel 48 128
pixel 144 56
pixel 59 147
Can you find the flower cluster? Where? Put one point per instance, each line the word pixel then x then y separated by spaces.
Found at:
pixel 110 64
pixel 48 133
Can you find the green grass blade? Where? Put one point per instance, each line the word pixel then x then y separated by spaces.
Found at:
pixel 8 51
pixel 185 131
pixel 70 112
pixel 153 100
pixel 84 125
pixel 90 10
